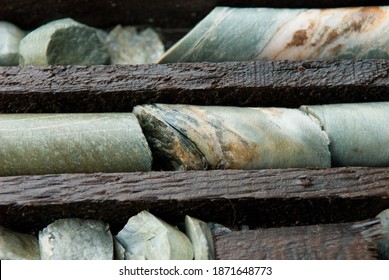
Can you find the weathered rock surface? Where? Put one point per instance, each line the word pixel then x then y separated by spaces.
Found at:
pixel 184 137
pixel 241 34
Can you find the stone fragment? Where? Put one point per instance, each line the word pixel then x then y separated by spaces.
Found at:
pixel 128 46
pixel 10 36
pixel 33 144
pixel 148 237
pixel 383 243
pixel 18 246
pixel 76 239
pixel 63 42
pixel 201 237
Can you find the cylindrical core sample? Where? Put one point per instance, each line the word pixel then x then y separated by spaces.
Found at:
pixel 241 34
pixel 359 133
pixel 186 137
pixel 32 144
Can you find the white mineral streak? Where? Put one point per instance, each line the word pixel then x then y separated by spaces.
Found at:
pixel 383 243
pixel 201 237
pixel 63 42
pixel 239 34
pixel 76 239
pixel 10 36
pixel 128 46
pixel 359 133
pixel 242 138
pixel 147 237
pixel 18 246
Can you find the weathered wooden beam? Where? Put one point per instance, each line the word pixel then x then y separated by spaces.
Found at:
pixel 171 13
pixel 267 198
pixel 119 88
pixel 347 241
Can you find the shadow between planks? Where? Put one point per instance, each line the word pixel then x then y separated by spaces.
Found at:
pixel 260 198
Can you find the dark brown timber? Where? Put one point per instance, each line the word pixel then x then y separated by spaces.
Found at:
pixel 119 88
pixel 266 198
pixel 346 241
pixel 168 13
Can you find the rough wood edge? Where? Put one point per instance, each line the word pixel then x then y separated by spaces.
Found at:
pixel 120 88
pixel 267 198
pixel 330 241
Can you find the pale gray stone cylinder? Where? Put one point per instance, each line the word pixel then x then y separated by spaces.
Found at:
pixel 63 42
pixel 33 144
pixel 359 133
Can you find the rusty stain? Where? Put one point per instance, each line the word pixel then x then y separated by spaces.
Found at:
pixel 332 36
pixel 337 48
pixel 319 38
pixel 301 68
pixel 299 38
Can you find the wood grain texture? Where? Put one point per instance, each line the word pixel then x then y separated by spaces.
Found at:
pixel 347 241
pixel 169 13
pixel 119 88
pixel 267 198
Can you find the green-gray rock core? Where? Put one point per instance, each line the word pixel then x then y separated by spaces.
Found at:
pixel 71 143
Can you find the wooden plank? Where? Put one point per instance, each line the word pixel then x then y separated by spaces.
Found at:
pixel 171 13
pixel 266 198
pixel 119 88
pixel 346 241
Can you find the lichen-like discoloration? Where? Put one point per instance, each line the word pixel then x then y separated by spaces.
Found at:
pixel 329 34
